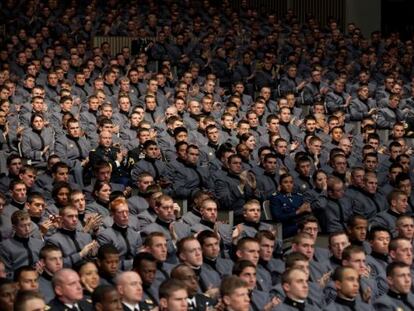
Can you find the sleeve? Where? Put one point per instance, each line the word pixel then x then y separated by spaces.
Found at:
pixel 279 213
pixel 382 122
pixel 333 223
pixel 27 149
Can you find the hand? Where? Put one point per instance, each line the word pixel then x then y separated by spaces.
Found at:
pixel 237 232
pixel 92 222
pixel 366 294
pixel 305 207
pixel 324 279
pixel 127 192
pixel 85 162
pixel 177 209
pixel 46 226
pixel 301 85
pixel 39 266
pixel 372 111
pixel 45 150
pixel 272 303
pixel 89 249
pixel 348 101
pixel 174 236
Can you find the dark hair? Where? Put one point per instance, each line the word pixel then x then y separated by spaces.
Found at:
pixel 140 257
pixel 100 292
pixel 107 249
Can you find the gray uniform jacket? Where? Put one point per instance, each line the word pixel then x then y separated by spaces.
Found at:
pixel 70 243
pixel 393 301
pixel 146 217
pixel 335 101
pixel 208 278
pixel 17 252
pixel 290 305
pixel 181 230
pixel 359 109
pixel 72 150
pixel 33 143
pixel 315 296
pixel 137 204
pixel 156 168
pixel 223 266
pixel 386 219
pixel 387 117
pixel 367 204
pixel 45 286
pixel 337 213
pixel 347 305
pixel 126 240
pixel 191 218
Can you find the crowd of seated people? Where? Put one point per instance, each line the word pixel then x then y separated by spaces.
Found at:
pixel 202 167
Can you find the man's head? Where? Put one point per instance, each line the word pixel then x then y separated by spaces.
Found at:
pixel 346 282
pixel 357 227
pixel 67 286
pixel 246 271
pixel 129 286
pixel 22 224
pixel 379 238
pixel 208 210
pixel 186 274
pixel 405 227
pixel 29 301
pixel 51 258
pixel 398 201
pixel 106 298
pixel 248 249
pixel 164 207
pixel 354 256
pixel 399 277
pixel 251 211
pixel 267 244
pixel 235 293
pixel 145 265
pixel 401 249
pixel 108 260
pixel 26 278
pixel 338 241
pixel 305 244
pixel 189 252
pixel 173 296
pixel 156 244
pixel 210 244
pixel 295 284
pixel 120 212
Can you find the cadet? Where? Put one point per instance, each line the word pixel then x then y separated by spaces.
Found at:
pixel 189 252
pixel 75 245
pixel 164 208
pixel 129 286
pixel 288 206
pixel 398 204
pixel 26 278
pixel 191 177
pixel 235 294
pixel 399 296
pixel 347 287
pixel 108 260
pixel 246 271
pixel 29 301
pixel 68 290
pixel 74 149
pixel 123 237
pixel 146 266
pixel 210 246
pixel 296 288
pixel 378 260
pixel 51 259
pixel 106 298
pixel 22 249
pixel 196 301
pixel 173 296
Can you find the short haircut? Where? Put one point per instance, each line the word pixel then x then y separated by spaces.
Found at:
pixel 107 249
pixel 395 265
pixel 240 265
pixel 230 284
pixel 351 250
pixel 22 297
pixel 395 243
pixel 287 275
pixel 18 216
pixel 294 257
pixel 373 231
pixel 241 244
pixel 338 274
pixel 181 244
pixel 100 292
pixel 206 234
pixel 18 272
pixel 149 238
pixel 47 249
pixel 168 287
pixel 140 257
pixel 265 234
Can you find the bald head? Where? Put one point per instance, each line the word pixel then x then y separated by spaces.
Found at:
pixel 67 286
pixel 129 286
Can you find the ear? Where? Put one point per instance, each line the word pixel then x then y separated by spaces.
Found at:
pixel 163 304
pixel 226 300
pixel 98 307
pixel 286 287
pixel 238 253
pixel 338 285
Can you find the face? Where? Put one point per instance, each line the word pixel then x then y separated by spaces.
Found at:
pixel 177 301
pixel 239 300
pixel 28 178
pixel 337 191
pixel 192 253
pixel 24 228
pixel 19 192
pixel 305 246
pixel 403 253
pixel 62 174
pixel 53 261
pixel 7 295
pixel 131 287
pixel 400 204
pixel 71 288
pixel 371 184
pixel 152 151
pixel 298 287
pixel 78 201
pixel 35 304
pixel 405 228
pixel 338 244
pixel 209 211
pixel 211 248
pixel 111 301
pixel 400 281
pixel 15 166
pixel 62 196
pixel 121 215
pixel 104 193
pixel 110 264
pixel 235 165
pixel 357 261
pixel 105 139
pixel 252 213
pixel 312 229
pixel 250 251
pixel 104 174
pixel 166 210
pixel 349 285
pixel 193 155
pixel 286 185
pixel 36 207
pixel 38 123
pixel 28 281
pixel 89 276
pixel 74 129
pixel 70 219
pixel 266 249
pixel 304 168
pixel 158 248
pixel 147 271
